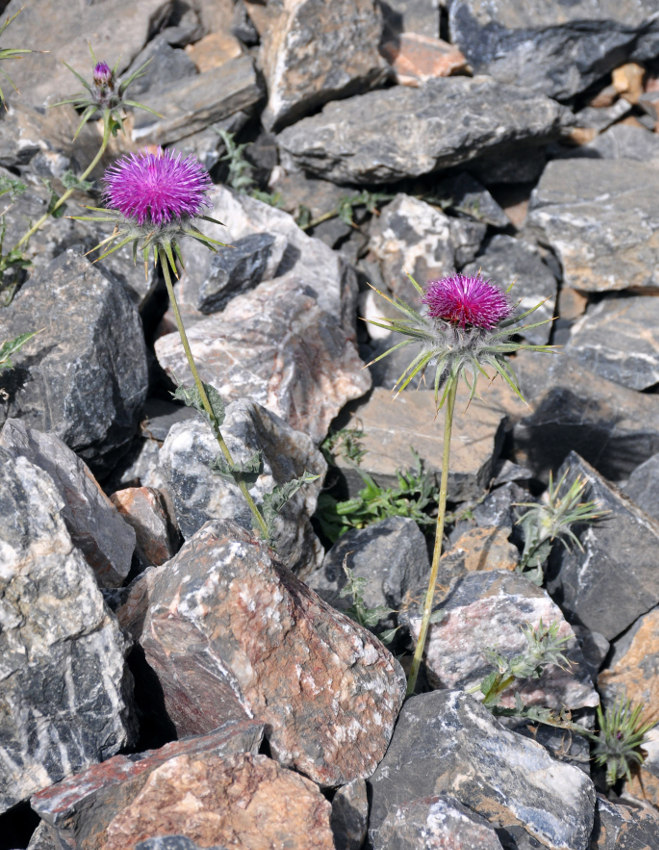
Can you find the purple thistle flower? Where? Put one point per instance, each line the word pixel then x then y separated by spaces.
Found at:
pixel 102 74
pixel 155 188
pixel 464 300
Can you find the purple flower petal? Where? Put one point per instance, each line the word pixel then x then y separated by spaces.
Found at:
pixel 156 188
pixel 464 301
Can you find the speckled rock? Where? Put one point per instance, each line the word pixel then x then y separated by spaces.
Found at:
pixel 446 742
pixel 349 817
pixel 633 669
pixel 618 827
pixel 230 632
pixel 144 510
pixel 643 486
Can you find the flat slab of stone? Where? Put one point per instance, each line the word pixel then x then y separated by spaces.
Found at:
pixel 456 119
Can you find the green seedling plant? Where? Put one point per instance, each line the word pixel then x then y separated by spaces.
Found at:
pixel 241 172
pixel 468 326
pixel 553 519
pixel 359 610
pixel 345 443
pixel 344 210
pixel 11 346
pixel 617 746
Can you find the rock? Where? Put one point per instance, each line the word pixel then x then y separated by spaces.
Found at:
pixel 349 818
pixel 85 376
pixel 106 541
pixel 412 16
pixel 199 494
pixel 167 66
pixel 627 80
pixel 474 550
pixel 618 339
pixel 439 821
pixel 64 34
pixel 305 376
pixel 230 632
pixel 62 651
pixel 609 583
pixel 614 428
pixel 600 220
pixel 599 119
pixel 618 826
pixel 446 742
pixel 488 610
pixel 314 52
pixel 632 671
pixel 507 260
pixel 622 142
pixel 213 50
pixel 144 510
pixel 416 58
pixel 191 104
pixel 79 809
pixel 571 46
pixel 466 196
pixel 643 486
pixel 392 556
pixel 456 119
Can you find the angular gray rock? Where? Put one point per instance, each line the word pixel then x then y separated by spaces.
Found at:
pixel 384 136
pixel 277 347
pixel 611 582
pixel 466 196
pixel 65 692
pixel 550 46
pixel 601 220
pixel 199 494
pixel 643 486
pixel 619 340
pixel 622 141
pixel 349 818
pixel 445 742
pixel 96 527
pixel 313 52
pixel 618 826
pixel 85 376
pixel 231 633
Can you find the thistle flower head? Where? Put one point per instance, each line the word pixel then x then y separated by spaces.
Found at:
pixel 464 301
pixel 156 188
pixel 103 75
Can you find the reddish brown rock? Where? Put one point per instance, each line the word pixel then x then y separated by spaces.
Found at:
pixel 634 670
pixel 628 81
pixel 79 809
pixel 416 58
pixel 231 631
pixel 144 510
pixel 244 802
pixel 213 50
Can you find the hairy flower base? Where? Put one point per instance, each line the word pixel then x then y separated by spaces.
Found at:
pixel 466 301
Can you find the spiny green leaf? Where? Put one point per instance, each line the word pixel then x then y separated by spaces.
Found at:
pixel 247 471
pixel 191 398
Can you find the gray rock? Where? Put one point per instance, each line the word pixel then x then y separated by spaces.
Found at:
pixel 239 268
pixel 618 827
pixel 601 220
pixel 602 117
pixel 456 119
pixel 277 347
pixel 391 555
pixel 610 582
pixel 191 104
pixel 231 632
pixel 43 838
pixel 549 46
pixel 439 821
pixel 85 376
pixel 643 486
pixel 446 742
pixel 612 427
pixel 199 494
pixel 622 142
pixel 349 819
pixel 166 66
pixel 507 260
pixel 619 340
pixel 525 166
pixel 421 16
pixel 467 196
pixel 96 527
pixel 467 236
pixel 314 52
pixel 65 692
pixel 489 610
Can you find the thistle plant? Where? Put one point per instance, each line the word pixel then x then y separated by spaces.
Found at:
pixel 467 326
pixel 552 519
pixel 617 744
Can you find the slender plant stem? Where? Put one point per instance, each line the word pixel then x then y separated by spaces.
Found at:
pixel 63 198
pixel 439 534
pixel 215 425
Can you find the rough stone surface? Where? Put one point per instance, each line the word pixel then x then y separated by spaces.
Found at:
pixel 446 742
pixel 601 220
pixel 349 818
pixel 439 822
pixel 633 670
pixel 619 827
pixel 96 528
pixel 456 119
pixel 416 58
pixel 199 494
pixel 230 630
pixel 623 142
pixel 62 651
pixel 488 610
pixel 314 52
pixel 81 807
pixel 612 581
pixel 84 377
pixel 619 340
pixel 243 801
pixel 643 486
pixel 144 510
pixel 304 376
pixel 464 194
pixel 550 46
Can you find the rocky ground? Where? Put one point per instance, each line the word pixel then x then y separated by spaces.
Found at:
pixel 167 679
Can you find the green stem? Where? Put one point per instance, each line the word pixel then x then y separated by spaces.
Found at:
pixel 69 192
pixel 215 425
pixel 439 534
